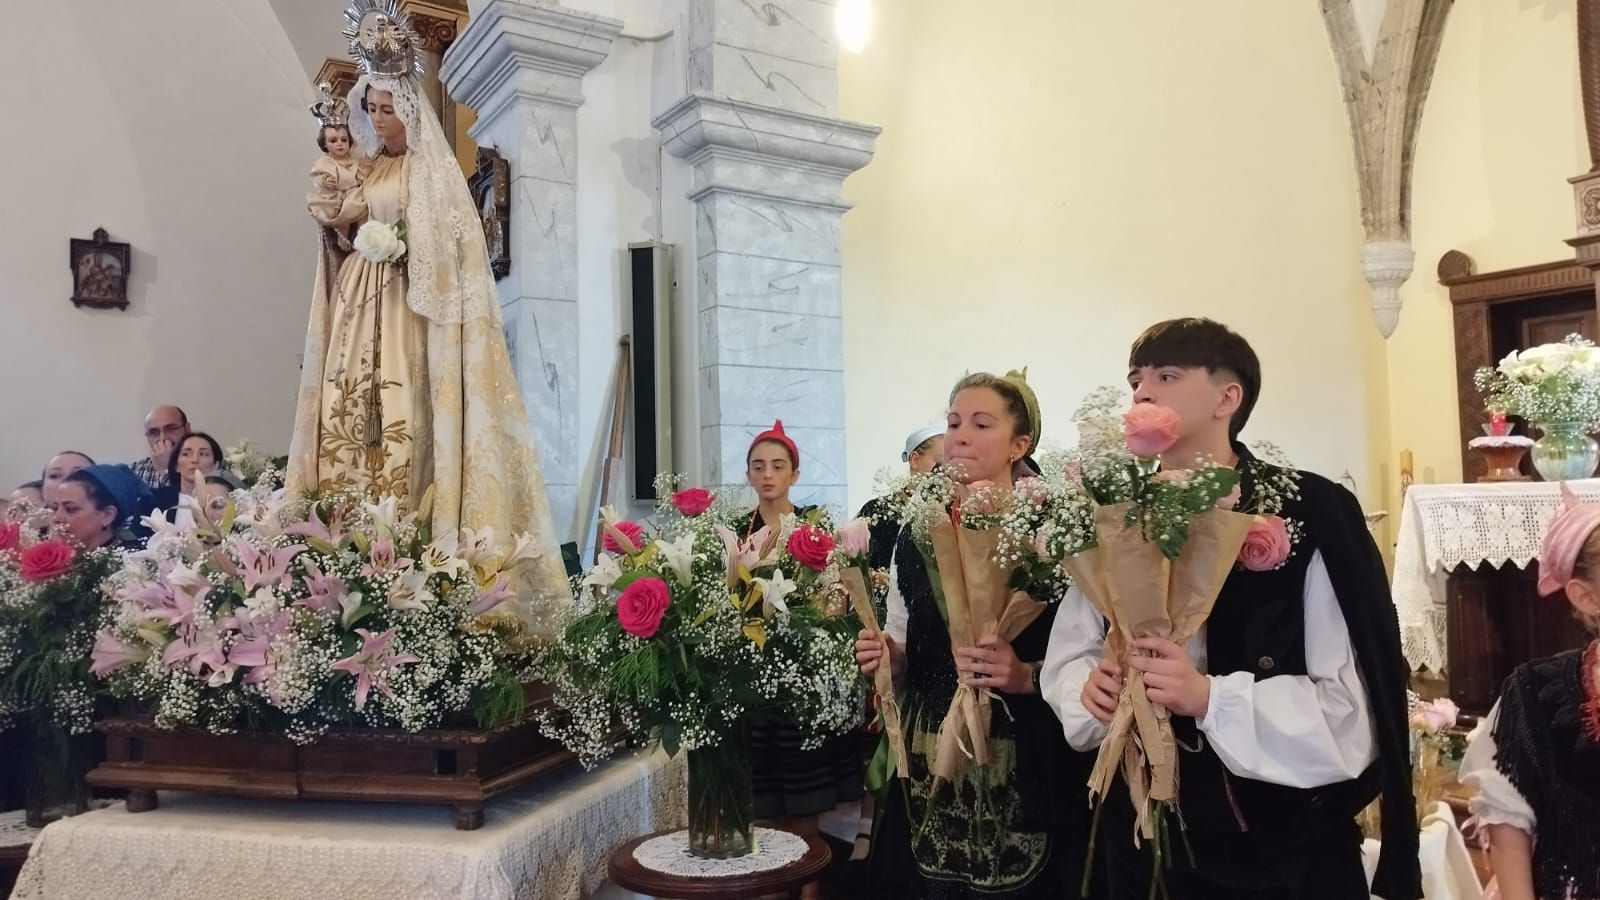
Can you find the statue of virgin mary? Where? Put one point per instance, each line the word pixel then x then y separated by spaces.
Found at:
pixel 407 383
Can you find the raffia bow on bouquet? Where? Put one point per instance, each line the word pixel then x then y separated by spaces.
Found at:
pixel 1142 593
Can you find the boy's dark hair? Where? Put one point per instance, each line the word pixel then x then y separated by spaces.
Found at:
pixel 1195 342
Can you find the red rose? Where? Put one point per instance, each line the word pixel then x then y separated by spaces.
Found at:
pixel 1266 546
pixel 810 547
pixel 692 501
pixel 642 605
pixel 10 533
pixel 633 531
pixel 46 560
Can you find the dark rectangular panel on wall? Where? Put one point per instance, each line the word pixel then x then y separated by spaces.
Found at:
pixel 650 290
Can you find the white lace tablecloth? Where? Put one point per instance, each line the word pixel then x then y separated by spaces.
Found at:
pixel 548 840
pixel 1446 525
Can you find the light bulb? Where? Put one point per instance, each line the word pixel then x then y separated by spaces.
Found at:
pixel 853 20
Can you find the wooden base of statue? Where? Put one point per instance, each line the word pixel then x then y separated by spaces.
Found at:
pixel 460 768
pixel 629 874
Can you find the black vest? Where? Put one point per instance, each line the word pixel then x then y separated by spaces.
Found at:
pixel 1543 747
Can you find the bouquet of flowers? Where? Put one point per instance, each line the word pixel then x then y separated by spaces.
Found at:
pixel 684 630
pixel 1548 383
pixel 987 578
pixel 1431 724
pixel 292 615
pixel 680 633
pixel 50 600
pixel 1151 550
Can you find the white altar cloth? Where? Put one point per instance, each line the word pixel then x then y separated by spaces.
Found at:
pixel 547 841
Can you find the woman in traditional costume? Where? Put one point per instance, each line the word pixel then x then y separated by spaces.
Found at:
pixel 1016 828
pixel 407 384
pixel 1535 761
pixel 792 786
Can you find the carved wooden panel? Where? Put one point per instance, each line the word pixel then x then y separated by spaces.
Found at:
pixel 1495 621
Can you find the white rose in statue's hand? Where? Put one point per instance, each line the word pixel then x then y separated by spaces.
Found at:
pixel 379 242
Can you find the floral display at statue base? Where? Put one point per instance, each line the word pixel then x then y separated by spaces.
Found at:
pixel 683 631
pixel 290 621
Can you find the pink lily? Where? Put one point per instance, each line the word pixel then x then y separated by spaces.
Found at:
pixel 198 649
pixel 324 591
pixel 500 593
pixel 264 569
pixel 151 596
pixel 180 612
pixel 382 559
pixel 373 663
pixel 111 654
pixel 730 541
pixel 332 531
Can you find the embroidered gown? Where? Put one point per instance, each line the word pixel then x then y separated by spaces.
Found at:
pixel 392 402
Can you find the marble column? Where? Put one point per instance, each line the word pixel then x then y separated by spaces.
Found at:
pixel 521 67
pixel 768 157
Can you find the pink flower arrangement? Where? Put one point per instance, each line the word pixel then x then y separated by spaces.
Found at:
pixel 1435 715
pixel 982 499
pixel 810 546
pixel 692 502
pixel 1150 430
pixel 642 606
pixel 1267 545
pixel 45 560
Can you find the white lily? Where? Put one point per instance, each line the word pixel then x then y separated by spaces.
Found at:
pixel 384 514
pixel 607 569
pixel 680 557
pixel 773 592
pixel 349 605
pixel 478 547
pixel 442 556
pixel 522 548
pixel 410 591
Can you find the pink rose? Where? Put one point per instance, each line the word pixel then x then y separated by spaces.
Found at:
pixel 1266 546
pixel 981 499
pixel 1435 716
pixel 1150 430
pixel 810 546
pixel 633 531
pixel 1041 540
pixel 1230 499
pixel 855 538
pixel 692 501
pixel 10 534
pixel 46 560
pixel 642 605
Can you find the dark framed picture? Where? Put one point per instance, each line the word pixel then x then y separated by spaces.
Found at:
pixel 491 190
pixel 99 272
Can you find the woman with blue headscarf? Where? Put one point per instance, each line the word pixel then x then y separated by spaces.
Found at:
pixel 100 505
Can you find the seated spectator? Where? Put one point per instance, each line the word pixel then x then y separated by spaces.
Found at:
pixel 164 427
pixel 63 464
pixel 98 504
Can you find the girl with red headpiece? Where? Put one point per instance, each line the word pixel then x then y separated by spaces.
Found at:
pixel 792 786
pixel 1535 761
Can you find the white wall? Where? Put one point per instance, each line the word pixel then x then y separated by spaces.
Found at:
pixel 1055 177
pixel 181 128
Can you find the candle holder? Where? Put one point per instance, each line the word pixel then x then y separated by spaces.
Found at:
pixel 1502 456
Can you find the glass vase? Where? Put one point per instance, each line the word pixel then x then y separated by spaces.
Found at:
pixel 1426 784
pixel 1565 451
pixel 721 808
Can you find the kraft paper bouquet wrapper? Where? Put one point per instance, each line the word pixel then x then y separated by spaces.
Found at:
pixel 883 679
pixel 977 602
pixel 1141 593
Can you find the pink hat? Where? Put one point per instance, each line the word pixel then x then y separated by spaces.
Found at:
pixel 1564 540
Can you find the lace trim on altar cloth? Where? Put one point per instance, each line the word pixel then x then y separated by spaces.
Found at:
pixel 669 854
pixel 1448 525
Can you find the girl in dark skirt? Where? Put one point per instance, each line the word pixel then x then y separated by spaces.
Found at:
pixel 792 786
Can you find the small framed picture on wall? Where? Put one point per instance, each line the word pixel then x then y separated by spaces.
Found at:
pixel 99 272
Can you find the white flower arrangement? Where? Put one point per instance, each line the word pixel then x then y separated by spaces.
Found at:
pixel 1548 383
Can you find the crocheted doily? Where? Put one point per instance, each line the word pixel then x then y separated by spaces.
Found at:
pixel 669 854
